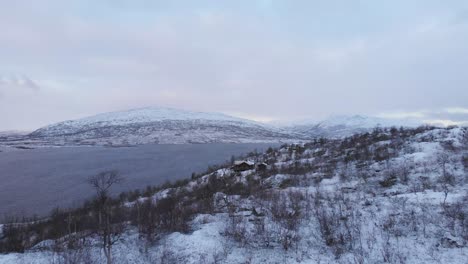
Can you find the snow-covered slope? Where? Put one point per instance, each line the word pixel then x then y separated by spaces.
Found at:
pixel 361 121
pixel 159 125
pixel 141 115
pixel 388 197
pixel 173 126
pixel 343 125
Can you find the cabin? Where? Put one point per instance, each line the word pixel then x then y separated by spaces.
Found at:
pixel 261 166
pixel 243 166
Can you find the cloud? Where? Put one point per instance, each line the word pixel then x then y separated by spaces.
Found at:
pixel 456 110
pixel 445 122
pixel 267 59
pixel 403 115
pixel 442 117
pixel 18 81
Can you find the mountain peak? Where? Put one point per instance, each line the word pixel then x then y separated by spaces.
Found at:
pixel 159 125
pixel 167 126
pixel 152 114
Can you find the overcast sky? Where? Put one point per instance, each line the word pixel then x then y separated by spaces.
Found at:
pixel 264 60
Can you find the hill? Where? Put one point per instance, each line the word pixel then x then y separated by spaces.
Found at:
pixel 159 125
pixel 388 196
pixel 155 125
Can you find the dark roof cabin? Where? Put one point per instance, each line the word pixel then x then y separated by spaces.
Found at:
pixel 242 166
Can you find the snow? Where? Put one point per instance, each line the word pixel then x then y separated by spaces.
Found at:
pixel 357 121
pixel 382 218
pixel 202 245
pixel 173 126
pixel 365 122
pixel 159 125
pixel 248 162
pixel 339 126
pixel 150 114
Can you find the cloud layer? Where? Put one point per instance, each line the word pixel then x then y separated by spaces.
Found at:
pixel 261 59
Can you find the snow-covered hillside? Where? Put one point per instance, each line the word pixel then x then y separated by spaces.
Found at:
pixel 389 196
pixel 173 126
pixel 159 125
pixel 344 125
pixel 136 116
pixel 361 121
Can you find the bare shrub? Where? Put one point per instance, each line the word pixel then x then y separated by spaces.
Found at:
pixel 339 223
pixel 457 217
pixel 391 254
pixel 389 181
pixel 286 211
pixel 237 229
pixel 166 256
pixel 465 162
pixel 109 226
pixel 14 237
pixel 73 251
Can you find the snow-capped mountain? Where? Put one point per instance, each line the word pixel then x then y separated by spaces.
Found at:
pixel 343 125
pixel 159 125
pixel 173 126
pixel 360 121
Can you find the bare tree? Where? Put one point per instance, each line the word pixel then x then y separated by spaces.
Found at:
pixel 464 139
pixel 107 230
pixel 464 142
pixel 102 183
pixel 446 178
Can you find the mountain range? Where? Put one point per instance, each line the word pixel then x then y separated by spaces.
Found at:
pixel 174 126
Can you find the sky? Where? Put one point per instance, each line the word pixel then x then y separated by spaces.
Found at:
pixel 265 60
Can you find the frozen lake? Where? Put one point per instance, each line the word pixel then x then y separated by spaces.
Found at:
pixel 35 181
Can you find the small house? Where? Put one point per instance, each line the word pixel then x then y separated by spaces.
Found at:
pixel 243 166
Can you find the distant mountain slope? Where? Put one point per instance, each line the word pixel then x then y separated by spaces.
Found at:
pixel 341 126
pixel 172 126
pixel 160 125
pixel 136 116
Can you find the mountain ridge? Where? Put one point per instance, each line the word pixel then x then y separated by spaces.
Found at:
pixel 160 125
pixel 163 125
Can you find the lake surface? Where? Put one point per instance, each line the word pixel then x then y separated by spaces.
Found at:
pixel 35 181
